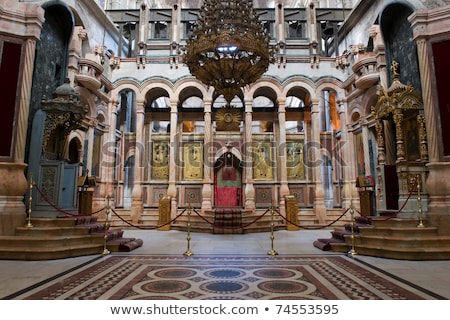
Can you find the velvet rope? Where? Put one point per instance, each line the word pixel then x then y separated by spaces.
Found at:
pixel 313 228
pixel 54 206
pixel 147 228
pixel 227 227
pixel 413 189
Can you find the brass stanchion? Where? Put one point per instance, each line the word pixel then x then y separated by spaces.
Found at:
pixel 105 236
pixel 419 204
pixel 352 213
pixel 272 252
pixel 30 200
pixel 188 252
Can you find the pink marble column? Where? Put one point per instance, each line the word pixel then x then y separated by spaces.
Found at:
pixel 207 166
pixel 248 158
pixel 430 26
pixel 172 189
pixel 284 187
pixel 137 205
pixel 24 22
pixel 319 196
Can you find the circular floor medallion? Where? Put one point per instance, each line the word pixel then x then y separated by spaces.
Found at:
pixel 224 287
pixel 282 286
pixel 166 286
pixel 224 273
pixel 156 298
pixel 175 273
pixel 274 273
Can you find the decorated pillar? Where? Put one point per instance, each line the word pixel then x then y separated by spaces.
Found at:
pixel 312 32
pixel 248 158
pixel 380 54
pixel 173 147
pixel 75 51
pixel 22 21
pixel 430 26
pixel 208 159
pixel 90 145
pixel 316 162
pixel 137 205
pixel 423 146
pixel 365 141
pixel 346 150
pixel 284 188
pixel 398 119
pixel 109 153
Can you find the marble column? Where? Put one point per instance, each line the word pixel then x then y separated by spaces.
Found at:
pixel 90 146
pixel 13 183
pixel 316 162
pixel 137 205
pixel 109 155
pixel 348 158
pixel 208 159
pixel 398 119
pixel 248 158
pixel 365 141
pixel 429 25
pixel 284 188
pixel 173 145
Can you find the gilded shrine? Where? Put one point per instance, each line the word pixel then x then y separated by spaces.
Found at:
pixel 402 142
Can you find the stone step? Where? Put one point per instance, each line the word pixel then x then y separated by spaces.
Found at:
pixel 393 222
pixel 55 238
pixel 48 253
pixel 397 231
pixel 404 253
pixel 422 241
pixel 394 238
pixel 53 222
pixel 25 242
pixel 341 247
pixel 51 231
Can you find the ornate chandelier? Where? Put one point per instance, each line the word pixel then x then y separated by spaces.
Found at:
pixel 228 48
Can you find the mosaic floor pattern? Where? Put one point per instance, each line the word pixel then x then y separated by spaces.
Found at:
pixel 224 277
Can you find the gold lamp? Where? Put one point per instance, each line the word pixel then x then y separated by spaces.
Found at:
pixel 228 48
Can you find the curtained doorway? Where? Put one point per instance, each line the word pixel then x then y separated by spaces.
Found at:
pixel 228 181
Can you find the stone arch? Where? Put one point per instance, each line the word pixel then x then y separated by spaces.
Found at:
pixel 188 92
pixel 188 87
pixel 268 87
pixel 268 92
pixel 157 86
pixel 299 92
pixel 397 32
pixel 73 149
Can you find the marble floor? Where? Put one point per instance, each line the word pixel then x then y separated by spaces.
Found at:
pixel 430 275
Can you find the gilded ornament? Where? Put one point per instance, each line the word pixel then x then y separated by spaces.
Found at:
pixel 228 119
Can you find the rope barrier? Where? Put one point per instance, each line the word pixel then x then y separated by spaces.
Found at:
pixel 313 227
pixel 182 212
pixel 54 206
pixel 395 214
pixel 413 189
pixel 225 227
pixel 148 228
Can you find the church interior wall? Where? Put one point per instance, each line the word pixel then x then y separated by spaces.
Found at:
pixel 313 84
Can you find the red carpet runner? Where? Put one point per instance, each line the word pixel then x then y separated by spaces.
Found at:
pixel 228 221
